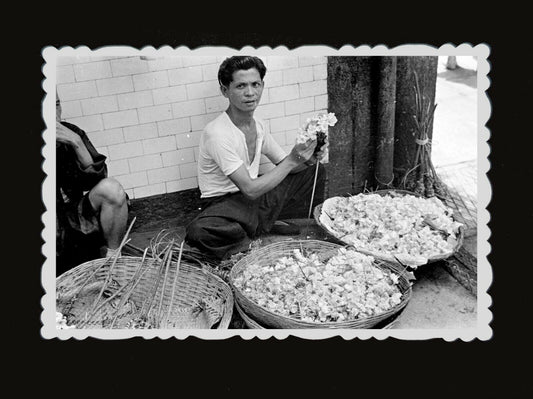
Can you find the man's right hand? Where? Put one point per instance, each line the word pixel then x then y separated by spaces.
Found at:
pixel 302 152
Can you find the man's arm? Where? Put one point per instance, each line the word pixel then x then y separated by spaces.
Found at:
pixel 66 136
pixel 301 167
pixel 89 166
pixel 254 188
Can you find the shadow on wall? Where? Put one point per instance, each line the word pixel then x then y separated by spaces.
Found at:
pixel 460 75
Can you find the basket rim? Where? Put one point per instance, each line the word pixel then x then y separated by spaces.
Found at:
pixel 250 322
pixel 317 211
pixel 247 319
pixel 406 294
pixel 89 263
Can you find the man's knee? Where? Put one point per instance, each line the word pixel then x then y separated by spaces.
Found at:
pixel 110 191
pixel 214 228
pixel 194 231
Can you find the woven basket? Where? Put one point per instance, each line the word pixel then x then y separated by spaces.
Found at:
pixel 250 323
pixel 269 254
pixel 195 299
pixel 317 211
pixel 254 325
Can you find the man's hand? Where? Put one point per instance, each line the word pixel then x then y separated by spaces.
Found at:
pixel 321 154
pixel 302 152
pixel 66 136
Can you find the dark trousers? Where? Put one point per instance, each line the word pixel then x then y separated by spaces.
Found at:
pixel 77 248
pixel 228 222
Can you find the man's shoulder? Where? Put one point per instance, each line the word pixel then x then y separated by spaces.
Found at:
pixel 218 125
pixel 261 124
pixel 73 127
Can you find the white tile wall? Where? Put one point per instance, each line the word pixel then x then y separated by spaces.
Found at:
pixel 147 116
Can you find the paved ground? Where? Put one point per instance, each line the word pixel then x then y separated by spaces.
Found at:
pixel 438 300
pixel 455 124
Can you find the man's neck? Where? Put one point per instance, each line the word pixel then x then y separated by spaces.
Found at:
pixel 239 118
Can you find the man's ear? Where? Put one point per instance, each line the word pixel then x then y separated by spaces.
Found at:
pixel 224 90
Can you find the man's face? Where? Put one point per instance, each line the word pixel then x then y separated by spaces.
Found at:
pixel 245 90
pixel 58 110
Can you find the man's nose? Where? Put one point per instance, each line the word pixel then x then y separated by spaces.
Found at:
pixel 249 91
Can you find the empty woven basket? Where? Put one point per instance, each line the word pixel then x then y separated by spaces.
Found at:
pixel 143 294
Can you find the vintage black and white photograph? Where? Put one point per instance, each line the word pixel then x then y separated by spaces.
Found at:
pixel 260 192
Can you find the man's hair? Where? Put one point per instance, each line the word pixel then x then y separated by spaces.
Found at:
pixel 236 63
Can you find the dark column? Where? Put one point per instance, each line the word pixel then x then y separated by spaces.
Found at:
pixel 385 122
pixel 365 106
pixel 350 91
pixel 340 173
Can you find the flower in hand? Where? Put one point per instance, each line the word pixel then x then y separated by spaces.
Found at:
pixel 316 128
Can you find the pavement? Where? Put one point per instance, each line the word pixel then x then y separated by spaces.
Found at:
pixel 438 301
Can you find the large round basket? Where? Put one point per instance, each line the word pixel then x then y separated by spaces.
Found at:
pixel 269 254
pixel 196 298
pixel 317 212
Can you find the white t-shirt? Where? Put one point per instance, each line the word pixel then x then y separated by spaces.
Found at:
pixel 223 150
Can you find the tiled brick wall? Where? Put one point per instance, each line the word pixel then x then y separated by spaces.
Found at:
pixel 146 116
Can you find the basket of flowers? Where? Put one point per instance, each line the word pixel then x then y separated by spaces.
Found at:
pixel 297 284
pixel 142 292
pixel 393 225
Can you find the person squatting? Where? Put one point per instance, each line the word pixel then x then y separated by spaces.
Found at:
pixel 238 203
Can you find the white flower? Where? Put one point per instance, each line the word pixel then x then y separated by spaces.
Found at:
pixel 318 123
pixel 323 125
pixel 332 119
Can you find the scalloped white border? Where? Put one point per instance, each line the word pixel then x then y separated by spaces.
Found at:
pixel 482 332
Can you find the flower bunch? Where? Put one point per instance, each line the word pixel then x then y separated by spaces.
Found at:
pixel 316 128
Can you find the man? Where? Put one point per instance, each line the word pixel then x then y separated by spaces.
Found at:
pixel 91 208
pixel 238 203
